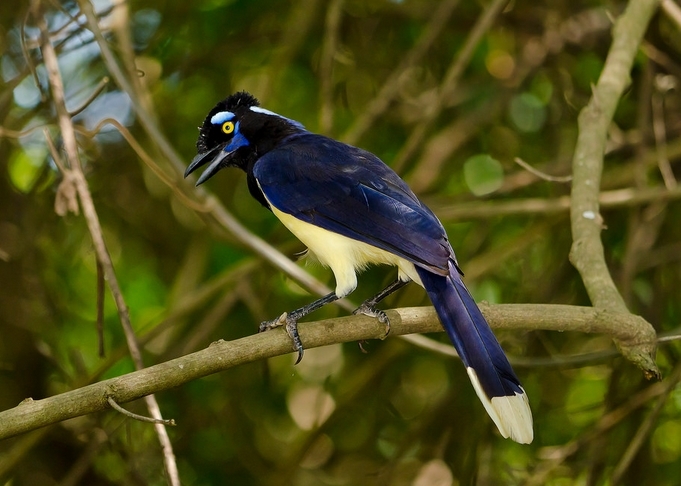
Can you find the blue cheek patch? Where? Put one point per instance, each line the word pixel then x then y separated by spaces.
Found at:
pixel 221 117
pixel 238 140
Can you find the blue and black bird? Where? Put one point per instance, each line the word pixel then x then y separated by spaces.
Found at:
pixel 351 210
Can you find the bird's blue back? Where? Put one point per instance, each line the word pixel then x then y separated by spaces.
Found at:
pixel 350 191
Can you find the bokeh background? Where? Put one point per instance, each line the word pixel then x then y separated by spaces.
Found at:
pixel 447 100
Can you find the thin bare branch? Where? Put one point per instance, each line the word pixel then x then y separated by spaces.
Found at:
pixel 135 416
pixel 660 132
pixel 96 92
pixel 541 174
pixel 517 207
pixel 6 133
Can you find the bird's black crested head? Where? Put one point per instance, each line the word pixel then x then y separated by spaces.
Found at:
pixel 209 133
pixel 236 132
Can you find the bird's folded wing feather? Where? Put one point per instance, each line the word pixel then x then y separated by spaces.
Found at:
pixel 351 192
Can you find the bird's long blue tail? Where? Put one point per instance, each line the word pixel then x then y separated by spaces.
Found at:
pixel 488 368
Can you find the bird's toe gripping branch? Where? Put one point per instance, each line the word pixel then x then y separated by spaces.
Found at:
pixel 290 323
pixel 369 310
pixel 368 307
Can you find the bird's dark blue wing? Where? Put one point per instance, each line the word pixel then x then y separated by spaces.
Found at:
pixel 351 192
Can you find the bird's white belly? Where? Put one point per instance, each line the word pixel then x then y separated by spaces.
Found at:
pixel 343 255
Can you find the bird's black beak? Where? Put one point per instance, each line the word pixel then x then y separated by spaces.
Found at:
pixel 218 159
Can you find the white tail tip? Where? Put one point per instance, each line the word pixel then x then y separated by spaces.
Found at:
pixel 511 414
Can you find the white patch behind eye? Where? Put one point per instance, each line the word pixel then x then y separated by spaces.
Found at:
pixel 263 111
pixel 257 109
pixel 221 117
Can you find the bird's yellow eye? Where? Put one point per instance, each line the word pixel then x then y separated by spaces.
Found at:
pixel 228 127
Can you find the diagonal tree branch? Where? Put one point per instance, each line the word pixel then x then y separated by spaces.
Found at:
pixel 222 355
pixel 587 253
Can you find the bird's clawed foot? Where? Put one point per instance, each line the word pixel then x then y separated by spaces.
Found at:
pixel 290 323
pixel 368 308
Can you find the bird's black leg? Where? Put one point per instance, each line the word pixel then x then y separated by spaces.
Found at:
pixel 368 307
pixel 290 321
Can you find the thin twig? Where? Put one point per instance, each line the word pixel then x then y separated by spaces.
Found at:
pixel 138 417
pixel 4 132
pixel 100 309
pixel 630 197
pixel 27 55
pixel 540 174
pixel 66 198
pixel 53 151
pixel 662 59
pixel 96 92
pixel 668 338
pixel 660 132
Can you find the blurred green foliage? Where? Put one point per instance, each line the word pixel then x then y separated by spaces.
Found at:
pixel 399 414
